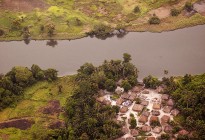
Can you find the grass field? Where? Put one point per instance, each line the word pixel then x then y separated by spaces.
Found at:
pixel 73 19
pixel 35 98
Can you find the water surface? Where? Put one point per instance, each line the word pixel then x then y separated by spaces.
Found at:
pixel 180 52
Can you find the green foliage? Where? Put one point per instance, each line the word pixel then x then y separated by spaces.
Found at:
pixel 154 20
pixel 155 123
pixel 189 97
pixel 110 85
pixel 136 9
pixel 126 58
pixel 175 12
pixel 188 6
pixel 51 74
pixel 133 123
pixel 14 82
pixel 151 82
pixel 126 85
pixel 101 30
pixel 87 69
pixel 165 136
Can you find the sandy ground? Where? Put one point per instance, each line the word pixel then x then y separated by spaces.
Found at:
pixel 152 97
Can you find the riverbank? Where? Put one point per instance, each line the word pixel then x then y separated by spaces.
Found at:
pixel 73 20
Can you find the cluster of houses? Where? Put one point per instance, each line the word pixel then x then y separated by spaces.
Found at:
pixel 153 112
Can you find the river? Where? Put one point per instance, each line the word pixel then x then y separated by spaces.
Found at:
pixel 180 52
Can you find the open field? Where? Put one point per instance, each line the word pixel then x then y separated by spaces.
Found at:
pixel 60 19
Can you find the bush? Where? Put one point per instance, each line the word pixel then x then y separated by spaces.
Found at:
pixel 188 6
pixel 165 136
pixel 154 20
pixel 136 9
pixel 101 30
pixel 175 12
pixel 133 123
pixel 1 32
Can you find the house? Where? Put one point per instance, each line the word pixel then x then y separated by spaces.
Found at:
pixel 156 106
pixel 132 97
pixel 154 118
pixel 167 109
pixel 170 102
pixel 119 101
pixel 119 90
pixel 165 97
pixel 134 132
pixel 157 129
pixel 146 128
pixel 175 112
pixel 183 132
pixel 144 103
pixel 151 138
pixel 145 92
pixel 165 119
pixel 100 99
pixel 155 113
pixel 137 107
pixel 146 113
pixel 125 96
pixel 168 129
pixel 143 119
pixel 124 109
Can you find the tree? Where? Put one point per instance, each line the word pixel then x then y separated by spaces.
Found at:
pixel 87 69
pixel 51 29
pixel 126 85
pixel 51 74
pixel 37 72
pixel 154 20
pixel 84 136
pixel 187 79
pixel 136 9
pixel 175 12
pixel 126 57
pixel 110 85
pixel 151 82
pixel 133 123
pixel 188 6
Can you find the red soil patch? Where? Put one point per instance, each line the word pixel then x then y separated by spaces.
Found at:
pixel 52 108
pixel 22 124
pixel 22 5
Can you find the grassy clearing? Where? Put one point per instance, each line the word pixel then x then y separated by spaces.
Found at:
pixel 36 97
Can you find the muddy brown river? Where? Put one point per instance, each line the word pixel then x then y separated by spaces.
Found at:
pixel 180 52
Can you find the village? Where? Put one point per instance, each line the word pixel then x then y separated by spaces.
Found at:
pixel 152 110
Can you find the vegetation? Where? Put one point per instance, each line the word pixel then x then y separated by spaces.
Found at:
pixel 151 82
pixel 72 19
pixel 85 117
pixel 154 20
pixel 14 82
pixel 188 93
pixel 175 12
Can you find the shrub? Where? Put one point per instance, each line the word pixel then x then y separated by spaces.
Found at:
pixel 133 123
pixel 188 6
pixel 175 12
pixel 154 20
pixel 136 9
pixel 165 136
pixel 101 30
pixel 1 32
